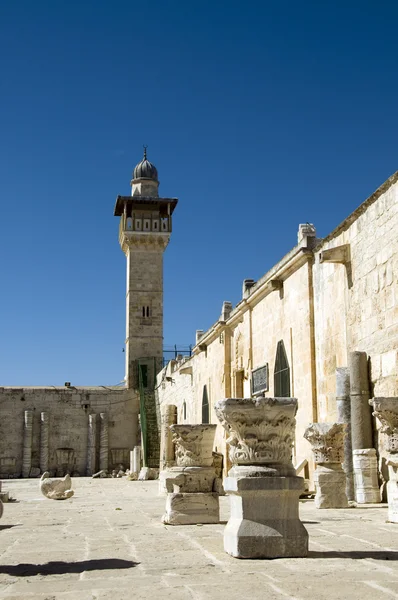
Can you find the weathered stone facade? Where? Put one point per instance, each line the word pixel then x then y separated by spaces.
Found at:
pixel 71 443
pixel 324 300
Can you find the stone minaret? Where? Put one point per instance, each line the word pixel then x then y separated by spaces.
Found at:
pixel 144 232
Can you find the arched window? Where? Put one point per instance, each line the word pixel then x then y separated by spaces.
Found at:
pixel 205 406
pixel 184 410
pixel 281 373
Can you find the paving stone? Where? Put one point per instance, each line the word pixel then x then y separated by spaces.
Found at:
pixel 352 551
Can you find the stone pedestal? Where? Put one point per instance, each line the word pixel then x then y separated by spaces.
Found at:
pixel 190 496
pixel 365 476
pixel 386 410
pixel 327 440
pixel 262 484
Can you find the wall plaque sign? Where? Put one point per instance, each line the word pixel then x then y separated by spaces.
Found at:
pixel 260 380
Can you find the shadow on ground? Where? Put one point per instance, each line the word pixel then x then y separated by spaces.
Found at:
pixel 377 555
pixel 60 567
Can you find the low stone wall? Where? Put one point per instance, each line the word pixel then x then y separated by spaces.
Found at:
pixel 55 426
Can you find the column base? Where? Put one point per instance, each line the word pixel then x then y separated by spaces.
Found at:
pixel 365 475
pixel 191 509
pixel 264 519
pixel 330 484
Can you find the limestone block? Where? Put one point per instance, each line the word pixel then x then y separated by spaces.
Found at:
pixel 264 520
pixel 56 489
pixel 365 476
pixel 218 487
pixel 188 479
pixel 4 497
pixel 147 473
pixel 190 509
pixel 330 483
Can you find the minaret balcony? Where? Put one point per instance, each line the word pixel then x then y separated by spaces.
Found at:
pixel 145 224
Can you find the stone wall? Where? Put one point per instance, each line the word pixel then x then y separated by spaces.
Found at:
pixel 68 411
pixel 356 301
pixel 321 310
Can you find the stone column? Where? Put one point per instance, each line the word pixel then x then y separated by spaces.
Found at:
pixel 363 454
pixel 27 443
pixel 386 410
pixel 169 417
pixel 191 498
pixel 327 440
pixel 43 442
pixel 91 445
pixel 104 450
pixel 135 460
pixel 262 483
pixel 344 416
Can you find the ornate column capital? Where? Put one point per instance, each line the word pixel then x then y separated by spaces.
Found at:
pixel 193 444
pixel 386 410
pixel 327 441
pixel 260 430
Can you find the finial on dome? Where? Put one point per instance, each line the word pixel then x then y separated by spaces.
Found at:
pixel 145 147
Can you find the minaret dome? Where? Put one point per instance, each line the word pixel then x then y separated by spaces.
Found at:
pixel 145 178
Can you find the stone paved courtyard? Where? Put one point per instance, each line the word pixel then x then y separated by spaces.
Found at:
pixel 107 542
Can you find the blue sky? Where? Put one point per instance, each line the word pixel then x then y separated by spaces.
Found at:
pixel 258 115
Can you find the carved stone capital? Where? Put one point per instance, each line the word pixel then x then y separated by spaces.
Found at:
pixel 193 444
pixel 327 440
pixel 386 410
pixel 260 430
